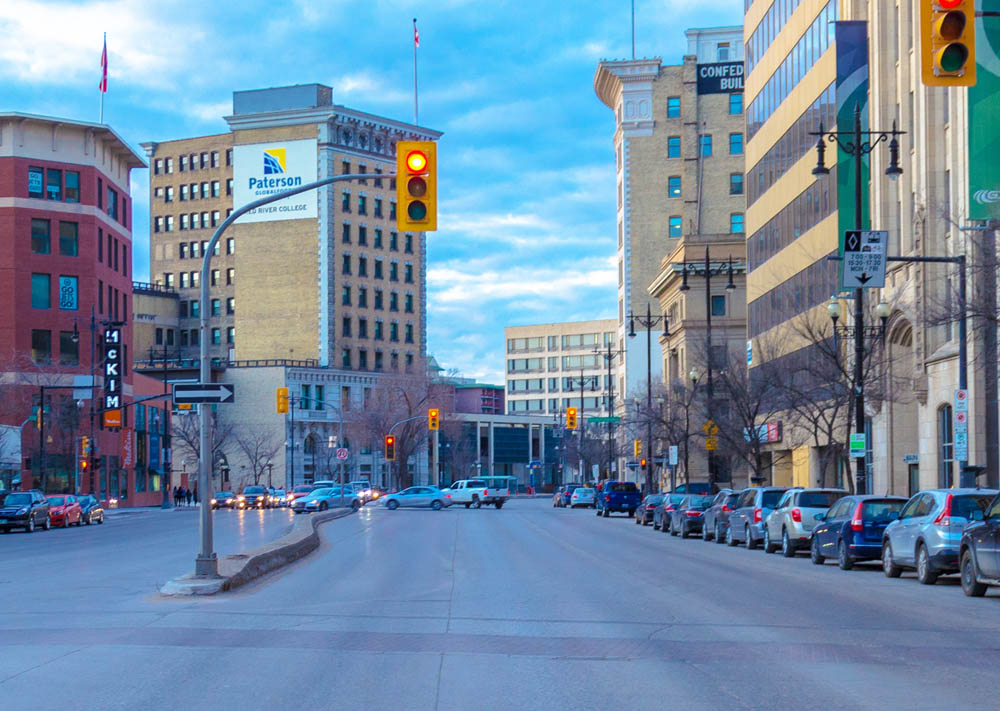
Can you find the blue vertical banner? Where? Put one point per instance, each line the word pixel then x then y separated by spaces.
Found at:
pixel 852 93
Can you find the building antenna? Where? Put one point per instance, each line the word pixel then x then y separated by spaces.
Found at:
pixel 633 30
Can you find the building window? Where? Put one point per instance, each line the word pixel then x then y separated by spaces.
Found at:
pixel 41 346
pixel 675 226
pixel 408 273
pixel 378 238
pixel 409 333
pixel 378 296
pixel 362 266
pixel 184 222
pixel 378 268
pixel 362 205
pixel 673 147
pixel 216 307
pixel 408 304
pixel 230 276
pixel 378 360
pixel 673 106
pixel 216 215
pixel 72 186
pixel 41 242
pixel 345 296
pixel 215 159
pixel 36 180
pixel 674 186
pixel 345 233
pixel 363 359
pixel 946 447
pixel 195 308
pixel 214 277
pixel 195 337
pixel 345 167
pixel 722 49
pixel 735 103
pixel 215 188
pixel 394 331
pixel 216 336
pixel 53 184
pixel 362 297
pixel 345 201
pixel 735 144
pixel 231 246
pixel 184 280
pixel 393 271
pixel 378 330
pixel 345 266
pixel 392 207
pixel 184 309
pixel 231 335
pixel 394 301
pixel 718 305
pixel 41 291
pixel 378 181
pixel 229 186
pixel 705 145
pixel 230 305
pixel 158 224
pixel 69 287
pixel 393 242
pixel 184 193
pixel 736 183
pixel 184 337
pixel 345 358
pixel 736 223
pixel 362 328
pixel 363 235
pixel 377 210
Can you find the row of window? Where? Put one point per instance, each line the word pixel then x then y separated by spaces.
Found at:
pixel 705 145
pixel 807 210
pixel 538 405
pixel 193 279
pixel 377 271
pixel 378 330
pixel 346 293
pixel 796 142
pixel 191 191
pixel 736 222
pixel 117 301
pixel 552 343
pixel 189 221
pixel 41 348
pixel 68 292
pixel 362 205
pixel 555 385
pixel 192 308
pixel 810 287
pixel 191 161
pixel 735 105
pixel 347 360
pixel 191 337
pixel 114 256
pixel 770 25
pixel 196 250
pixel 347 232
pixel 553 363
pixel 800 60
pixel 64 186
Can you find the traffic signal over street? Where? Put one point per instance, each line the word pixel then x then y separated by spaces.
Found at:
pixel 390 448
pixel 571 418
pixel 282 398
pixel 948 42
pixel 416 186
pixel 433 419
pixel 638 448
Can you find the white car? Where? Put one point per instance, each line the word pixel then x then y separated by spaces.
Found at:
pixel 583 496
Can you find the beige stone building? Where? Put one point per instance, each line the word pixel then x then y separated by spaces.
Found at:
pixel 678 145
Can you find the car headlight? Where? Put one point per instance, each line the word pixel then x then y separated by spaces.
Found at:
pixel 214 501
pixel 21 512
pixel 241 498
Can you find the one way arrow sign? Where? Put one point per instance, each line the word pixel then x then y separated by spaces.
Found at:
pixel 197 393
pixel 864 259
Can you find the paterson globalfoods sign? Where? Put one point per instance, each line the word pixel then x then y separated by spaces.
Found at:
pixel 264 169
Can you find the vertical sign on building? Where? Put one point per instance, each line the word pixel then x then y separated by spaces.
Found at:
pixel 852 93
pixel 112 376
pixel 962 425
pixel 984 117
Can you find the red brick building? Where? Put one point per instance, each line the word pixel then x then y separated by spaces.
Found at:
pixel 65 276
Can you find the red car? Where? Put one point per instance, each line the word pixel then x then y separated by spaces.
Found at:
pixel 65 510
pixel 298 492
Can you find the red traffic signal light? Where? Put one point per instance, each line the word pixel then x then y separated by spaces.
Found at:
pixel 571 418
pixel 390 448
pixel 642 463
pixel 416 186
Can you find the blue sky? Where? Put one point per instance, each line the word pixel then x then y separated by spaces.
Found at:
pixel 527 196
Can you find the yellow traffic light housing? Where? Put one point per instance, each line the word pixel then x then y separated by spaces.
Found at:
pixel 638 448
pixel 416 186
pixel 390 448
pixel 433 419
pixel 948 42
pixel 282 400
pixel 571 418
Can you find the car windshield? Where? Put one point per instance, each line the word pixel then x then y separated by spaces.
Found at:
pixel 17 500
pixel 771 498
pixel 57 500
pixel 254 490
pixel 279 492
pixel 700 503
pixel 475 484
pixel 880 510
pixel 86 499
pixel 584 491
pixel 675 498
pixel 731 500
pixel 224 495
pixel 819 499
pixel 623 486
pixel 319 493
pixel 963 506
pixel 654 499
pixel 302 489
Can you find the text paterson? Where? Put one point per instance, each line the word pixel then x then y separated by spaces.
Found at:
pixel 289 182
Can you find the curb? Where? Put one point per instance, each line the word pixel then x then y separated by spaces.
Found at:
pixel 241 568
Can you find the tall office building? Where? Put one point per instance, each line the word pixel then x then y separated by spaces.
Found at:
pixel 675 127
pixel 321 277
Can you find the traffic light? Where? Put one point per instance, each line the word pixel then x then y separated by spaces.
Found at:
pixel 948 42
pixel 638 449
pixel 571 418
pixel 85 446
pixel 416 186
pixel 433 419
pixel 282 397
pixel 642 463
pixel 390 448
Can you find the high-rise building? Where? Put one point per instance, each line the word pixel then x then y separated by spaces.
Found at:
pixel 678 142
pixel 323 277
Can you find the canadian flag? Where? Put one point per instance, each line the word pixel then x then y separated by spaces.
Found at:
pixel 416 35
pixel 104 68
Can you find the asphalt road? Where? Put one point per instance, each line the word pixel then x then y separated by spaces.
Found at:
pixel 525 608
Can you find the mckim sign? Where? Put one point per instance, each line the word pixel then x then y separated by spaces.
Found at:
pixel 263 169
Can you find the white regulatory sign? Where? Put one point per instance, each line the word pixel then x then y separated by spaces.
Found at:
pixel 864 259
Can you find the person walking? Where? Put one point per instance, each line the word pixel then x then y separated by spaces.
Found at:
pixel 187 496
pixel 177 496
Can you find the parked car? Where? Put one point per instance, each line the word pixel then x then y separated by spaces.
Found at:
pixel 583 496
pixel 791 523
pixel 224 500
pixel 24 509
pixel 298 492
pixel 64 510
pixel 420 496
pixel 317 500
pixel 647 509
pixel 91 508
pixel 618 496
pixel 928 533
pixel 689 515
pixel 661 514
pixel 256 497
pixel 279 497
pixel 717 516
pixel 852 529
pixel 979 551
pixel 746 521
pixel 562 494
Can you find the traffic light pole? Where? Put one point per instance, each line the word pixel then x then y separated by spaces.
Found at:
pixel 206 564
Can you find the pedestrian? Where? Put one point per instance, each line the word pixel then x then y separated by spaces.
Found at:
pixel 187 496
pixel 195 494
pixel 177 496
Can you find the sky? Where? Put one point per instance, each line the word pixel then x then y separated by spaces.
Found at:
pixel 526 218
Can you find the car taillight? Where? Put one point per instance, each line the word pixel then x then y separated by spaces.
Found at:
pixel 486 492
pixel 726 508
pixel 796 515
pixel 607 497
pixel 944 518
pixel 757 515
pixel 691 512
pixel 856 523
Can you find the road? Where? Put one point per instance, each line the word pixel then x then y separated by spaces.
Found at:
pixel 525 608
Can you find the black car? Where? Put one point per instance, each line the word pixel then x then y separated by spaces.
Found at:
pixel 24 509
pixel 717 516
pixel 644 514
pixel 661 514
pixel 91 509
pixel 979 551
pixel 256 497
pixel 689 515
pixel 225 500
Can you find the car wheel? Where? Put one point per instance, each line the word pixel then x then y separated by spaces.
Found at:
pixel 90 519
pixel 889 566
pixel 787 549
pixel 970 586
pixel 499 505
pixel 466 506
pixel 925 574
pixel 355 505
pixel 719 536
pixel 631 513
pixel 476 503
pixel 47 524
pixel 730 541
pixel 597 510
pixel 656 526
pixel 436 505
pixel 636 520
pixel 749 542
pixel 844 559
pixel 705 535
pixel 607 513
pixel 768 547
pixel 30 527
pixel 393 505
pixel 814 555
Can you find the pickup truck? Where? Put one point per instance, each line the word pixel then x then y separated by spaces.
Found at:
pixel 618 496
pixel 477 492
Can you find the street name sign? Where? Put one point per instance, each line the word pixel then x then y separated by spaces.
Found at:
pixel 200 393
pixel 858 444
pixel 599 420
pixel 673 455
pixel 864 259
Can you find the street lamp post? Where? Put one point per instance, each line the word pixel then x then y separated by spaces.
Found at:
pixel 649 321
pixel 582 421
pixel 854 145
pixel 687 432
pixel 609 356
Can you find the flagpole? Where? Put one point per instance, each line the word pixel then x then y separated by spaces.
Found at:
pixel 415 121
pixel 103 86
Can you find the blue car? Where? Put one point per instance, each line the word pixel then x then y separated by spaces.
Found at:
pixel 852 529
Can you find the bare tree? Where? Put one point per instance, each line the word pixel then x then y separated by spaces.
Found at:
pixel 259 444
pixel 186 436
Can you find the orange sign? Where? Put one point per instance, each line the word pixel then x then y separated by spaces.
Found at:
pixel 112 418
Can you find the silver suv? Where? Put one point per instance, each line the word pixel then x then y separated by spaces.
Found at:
pixel 928 532
pixel 791 523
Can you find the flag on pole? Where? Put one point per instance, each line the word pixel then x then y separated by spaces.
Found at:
pixel 416 35
pixel 104 67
